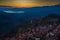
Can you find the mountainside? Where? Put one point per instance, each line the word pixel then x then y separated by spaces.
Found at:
pixel 9 21
pixel 51 19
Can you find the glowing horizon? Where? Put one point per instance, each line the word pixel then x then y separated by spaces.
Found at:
pixel 28 3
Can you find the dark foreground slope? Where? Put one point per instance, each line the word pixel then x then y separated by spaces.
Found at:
pixel 9 21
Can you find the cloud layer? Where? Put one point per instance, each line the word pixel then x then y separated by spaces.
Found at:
pixel 13 11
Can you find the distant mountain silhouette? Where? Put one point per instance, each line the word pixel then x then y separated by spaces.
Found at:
pixel 33 7
pixel 5 6
pixel 58 5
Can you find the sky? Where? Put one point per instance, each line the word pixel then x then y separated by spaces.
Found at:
pixel 28 3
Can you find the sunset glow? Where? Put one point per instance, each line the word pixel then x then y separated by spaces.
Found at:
pixel 28 3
